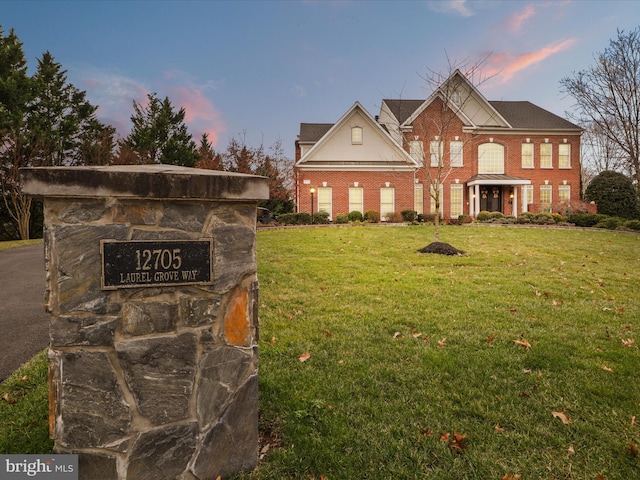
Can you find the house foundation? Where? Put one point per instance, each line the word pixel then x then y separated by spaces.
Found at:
pixel 153 293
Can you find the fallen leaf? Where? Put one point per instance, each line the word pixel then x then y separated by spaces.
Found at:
pixel 633 420
pixel 442 343
pixel 570 450
pixel 629 342
pixel 304 357
pixel 396 335
pixel 459 442
pixel 607 369
pixel 632 450
pixel 523 343
pixel 491 338
pixel 427 432
pixel 513 310
pixel 561 416
pixel 444 437
pixel 417 335
pixel 273 340
pixel 526 370
pixel 498 428
pixel 508 476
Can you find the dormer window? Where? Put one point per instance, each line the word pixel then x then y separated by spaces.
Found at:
pixel 356 135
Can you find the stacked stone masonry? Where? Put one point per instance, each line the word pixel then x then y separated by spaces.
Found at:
pixel 152 382
pixel 166 373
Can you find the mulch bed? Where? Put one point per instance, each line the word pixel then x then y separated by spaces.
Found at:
pixel 441 248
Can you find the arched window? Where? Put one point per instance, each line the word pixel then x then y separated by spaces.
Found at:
pixel 490 158
pixel 356 135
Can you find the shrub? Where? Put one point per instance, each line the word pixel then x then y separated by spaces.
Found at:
pixel 427 217
pixel 371 216
pixel 484 216
pixel 409 215
pixel 633 225
pixel 610 223
pixel 355 216
pixel 614 193
pixel 586 219
pixel 557 218
pixel 303 218
pixel 394 217
pixel 465 219
pixel 544 219
pixel 287 218
pixel 321 217
pixel 342 218
pixel 526 217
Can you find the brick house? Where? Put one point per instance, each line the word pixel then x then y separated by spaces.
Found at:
pixel 458 148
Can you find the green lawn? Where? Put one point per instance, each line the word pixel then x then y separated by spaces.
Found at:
pixel 406 348
pixel 466 367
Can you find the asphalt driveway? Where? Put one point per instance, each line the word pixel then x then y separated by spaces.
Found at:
pixel 24 324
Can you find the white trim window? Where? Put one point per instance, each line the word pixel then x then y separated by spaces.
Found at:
pixel 527 155
pixel 325 200
pixel 564 155
pixel 356 199
pixel 387 201
pixel 435 152
pixel 527 197
pixel 356 135
pixel 546 156
pixel 455 152
pixel 546 194
pixel 490 158
pixel 432 202
pixel 455 202
pixel 418 198
pixel 564 193
pixel 416 150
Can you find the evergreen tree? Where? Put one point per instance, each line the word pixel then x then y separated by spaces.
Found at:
pixel 159 134
pixel 614 194
pixel 44 120
pixel 207 157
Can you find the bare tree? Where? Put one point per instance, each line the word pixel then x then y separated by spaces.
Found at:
pixel 451 92
pixel 607 100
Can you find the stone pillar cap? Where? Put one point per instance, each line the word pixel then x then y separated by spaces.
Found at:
pixel 143 181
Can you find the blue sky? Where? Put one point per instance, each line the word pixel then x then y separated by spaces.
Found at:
pixel 256 70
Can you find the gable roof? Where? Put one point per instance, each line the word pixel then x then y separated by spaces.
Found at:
pixel 312 132
pixel 526 115
pixel 402 109
pixel 378 151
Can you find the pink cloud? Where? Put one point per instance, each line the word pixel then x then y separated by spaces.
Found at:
pixel 514 22
pixel 506 65
pixel 200 113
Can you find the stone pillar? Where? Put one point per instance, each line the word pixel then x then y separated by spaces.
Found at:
pixel 153 291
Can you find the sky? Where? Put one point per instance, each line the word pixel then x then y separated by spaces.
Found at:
pixel 255 70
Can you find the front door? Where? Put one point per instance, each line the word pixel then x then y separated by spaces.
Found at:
pixel 491 198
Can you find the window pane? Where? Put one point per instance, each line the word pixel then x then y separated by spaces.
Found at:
pixel 418 198
pixel 545 155
pixel 416 150
pixel 545 194
pixel 386 201
pixel 456 153
pixel 356 135
pixel 456 201
pixel 435 152
pixel 564 155
pixel 324 200
pixel 355 199
pixel 527 197
pixel 527 155
pixel 564 193
pixel 490 158
pixel 432 201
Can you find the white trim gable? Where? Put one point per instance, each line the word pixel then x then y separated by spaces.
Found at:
pixel 376 150
pixel 474 110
